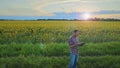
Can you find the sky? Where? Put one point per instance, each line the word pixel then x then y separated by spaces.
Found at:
pixel 59 9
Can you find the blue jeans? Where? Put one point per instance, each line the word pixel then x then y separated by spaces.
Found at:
pixel 73 60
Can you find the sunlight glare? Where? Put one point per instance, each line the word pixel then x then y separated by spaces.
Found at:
pixel 86 16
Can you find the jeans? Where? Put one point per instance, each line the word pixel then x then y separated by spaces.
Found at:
pixel 73 60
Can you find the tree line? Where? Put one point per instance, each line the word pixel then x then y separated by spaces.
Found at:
pixel 90 19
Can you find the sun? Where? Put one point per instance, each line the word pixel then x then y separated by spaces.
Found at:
pixel 86 16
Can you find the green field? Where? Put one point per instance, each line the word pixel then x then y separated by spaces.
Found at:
pixel 43 44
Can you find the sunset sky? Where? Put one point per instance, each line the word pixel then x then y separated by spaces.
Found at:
pixel 59 9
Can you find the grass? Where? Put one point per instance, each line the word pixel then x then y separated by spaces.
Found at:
pixel 59 62
pixel 62 49
pixel 43 44
pixel 54 55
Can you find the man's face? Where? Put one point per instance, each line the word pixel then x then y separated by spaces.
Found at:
pixel 77 33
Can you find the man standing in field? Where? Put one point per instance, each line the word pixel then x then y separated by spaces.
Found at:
pixel 74 43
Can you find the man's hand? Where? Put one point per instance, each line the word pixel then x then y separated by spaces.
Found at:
pixel 73 45
pixel 78 44
pixel 81 44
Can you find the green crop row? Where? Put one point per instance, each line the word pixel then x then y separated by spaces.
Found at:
pixel 61 49
pixel 59 62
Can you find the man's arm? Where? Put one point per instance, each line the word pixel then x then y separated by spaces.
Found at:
pixel 74 45
pixel 78 44
pixel 81 44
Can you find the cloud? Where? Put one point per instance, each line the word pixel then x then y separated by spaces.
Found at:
pixel 50 7
pixel 69 6
pixel 79 15
pixel 72 15
pixel 106 16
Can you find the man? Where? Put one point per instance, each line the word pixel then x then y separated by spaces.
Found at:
pixel 74 43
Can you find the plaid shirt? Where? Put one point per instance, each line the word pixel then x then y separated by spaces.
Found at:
pixel 73 40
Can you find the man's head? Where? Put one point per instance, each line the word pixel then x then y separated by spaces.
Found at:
pixel 76 32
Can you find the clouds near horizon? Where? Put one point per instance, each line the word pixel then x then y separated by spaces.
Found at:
pixel 45 8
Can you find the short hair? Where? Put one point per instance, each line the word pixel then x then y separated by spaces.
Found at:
pixel 76 31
